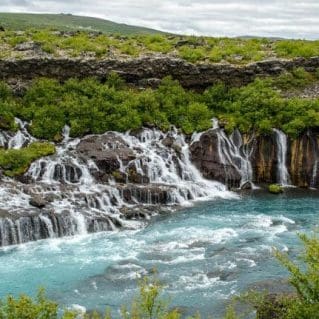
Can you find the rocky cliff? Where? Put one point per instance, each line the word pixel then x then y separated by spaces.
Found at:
pixel 146 71
pixel 258 159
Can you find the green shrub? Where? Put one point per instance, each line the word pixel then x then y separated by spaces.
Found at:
pixel 296 48
pixel 275 189
pixel 192 55
pixel 296 79
pixel 16 161
pixel 92 107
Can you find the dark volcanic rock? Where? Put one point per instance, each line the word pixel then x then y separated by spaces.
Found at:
pixel 105 151
pixel 205 156
pixel 146 69
pixel 150 194
pixel 37 201
pixel 264 159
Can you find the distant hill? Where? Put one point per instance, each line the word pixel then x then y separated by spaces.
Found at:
pixel 68 22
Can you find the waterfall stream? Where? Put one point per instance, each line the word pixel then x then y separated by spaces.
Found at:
pixel 119 180
pixel 233 151
pixel 76 200
pixel 282 171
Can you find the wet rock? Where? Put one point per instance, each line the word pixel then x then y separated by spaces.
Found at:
pixel 106 151
pixel 264 159
pixel 37 201
pixel 136 177
pixel 303 154
pixel 119 177
pixel 168 141
pixel 150 194
pixel 205 156
pixel 246 186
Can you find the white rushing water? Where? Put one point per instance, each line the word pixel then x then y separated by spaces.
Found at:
pixel 233 151
pixel 81 204
pixel 282 171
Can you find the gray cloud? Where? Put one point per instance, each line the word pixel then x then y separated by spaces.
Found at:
pixel 281 18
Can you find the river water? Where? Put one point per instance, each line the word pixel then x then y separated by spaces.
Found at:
pixel 204 254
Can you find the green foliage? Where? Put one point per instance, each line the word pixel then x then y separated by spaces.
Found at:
pixel 119 40
pixel 275 189
pixel 305 279
pixel 296 48
pixel 149 304
pixel 192 54
pixel 92 107
pixel 25 307
pixel 296 79
pixel 16 161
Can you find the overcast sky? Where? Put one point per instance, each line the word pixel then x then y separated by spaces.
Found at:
pixel 280 18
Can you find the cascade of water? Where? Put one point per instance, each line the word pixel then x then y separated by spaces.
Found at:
pixel 79 204
pixel 171 165
pixel 314 174
pixel 232 151
pixel 282 171
pixel 22 136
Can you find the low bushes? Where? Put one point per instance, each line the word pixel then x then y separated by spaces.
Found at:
pixel 89 106
pixel 189 48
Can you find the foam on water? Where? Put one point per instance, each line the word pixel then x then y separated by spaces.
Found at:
pixel 203 254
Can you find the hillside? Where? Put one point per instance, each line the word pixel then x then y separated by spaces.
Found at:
pixel 68 22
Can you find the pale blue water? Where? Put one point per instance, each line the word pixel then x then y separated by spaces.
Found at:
pixel 204 254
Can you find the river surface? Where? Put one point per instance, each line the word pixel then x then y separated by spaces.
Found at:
pixel 204 254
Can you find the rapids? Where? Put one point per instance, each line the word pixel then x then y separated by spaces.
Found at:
pixel 204 254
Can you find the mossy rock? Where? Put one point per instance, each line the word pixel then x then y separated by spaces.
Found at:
pixel 275 189
pixel 16 162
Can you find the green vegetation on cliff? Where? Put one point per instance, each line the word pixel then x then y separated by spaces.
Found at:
pixel 16 161
pixel 89 106
pixel 97 45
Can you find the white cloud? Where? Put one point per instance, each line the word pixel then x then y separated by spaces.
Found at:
pixel 280 18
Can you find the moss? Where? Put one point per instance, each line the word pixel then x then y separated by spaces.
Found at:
pixel 16 162
pixel 275 189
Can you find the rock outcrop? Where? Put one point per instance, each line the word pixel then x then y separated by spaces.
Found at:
pixel 206 156
pixel 145 71
pixel 225 162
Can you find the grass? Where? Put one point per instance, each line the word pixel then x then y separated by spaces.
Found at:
pixel 68 22
pixel 123 44
pixel 126 42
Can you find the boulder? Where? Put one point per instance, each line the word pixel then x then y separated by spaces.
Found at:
pixel 106 151
pixel 37 201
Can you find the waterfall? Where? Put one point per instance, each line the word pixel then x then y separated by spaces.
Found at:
pixel 282 171
pixel 233 151
pixel 22 136
pixel 67 196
